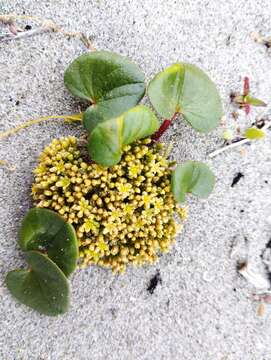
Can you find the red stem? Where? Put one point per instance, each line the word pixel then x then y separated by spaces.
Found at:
pixel 247 108
pixel 246 86
pixel 245 93
pixel 163 127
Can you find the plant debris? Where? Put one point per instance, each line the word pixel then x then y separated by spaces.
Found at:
pixel 228 40
pixel 253 277
pixel 239 248
pixel 261 40
pixel 254 132
pixel 237 178
pixel 242 140
pixel 16 32
pixel 266 258
pixel 155 280
pixel 245 100
pixel 263 297
pixel 261 282
pixel 261 310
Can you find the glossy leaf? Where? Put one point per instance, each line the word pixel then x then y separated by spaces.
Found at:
pixel 254 134
pixel 192 177
pixel 111 82
pixel 108 138
pixel 45 230
pixel 43 288
pixel 185 89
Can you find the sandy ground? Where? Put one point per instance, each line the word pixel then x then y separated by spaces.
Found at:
pixel 202 309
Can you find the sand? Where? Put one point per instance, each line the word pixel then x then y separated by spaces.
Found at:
pixel 202 309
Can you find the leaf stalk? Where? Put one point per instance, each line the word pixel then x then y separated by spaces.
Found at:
pixel 163 128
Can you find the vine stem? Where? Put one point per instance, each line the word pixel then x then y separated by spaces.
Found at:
pixel 68 118
pixel 237 143
pixel 163 127
pixel 246 86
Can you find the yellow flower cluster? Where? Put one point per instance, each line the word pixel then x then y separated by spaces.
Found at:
pixel 122 214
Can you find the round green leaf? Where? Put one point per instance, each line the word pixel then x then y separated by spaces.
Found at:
pixel 43 288
pixel 111 82
pixel 185 89
pixel 45 230
pixel 192 177
pixel 108 138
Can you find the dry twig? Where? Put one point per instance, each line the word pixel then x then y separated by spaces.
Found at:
pixel 45 26
pixel 253 277
pixel 261 40
pixel 237 143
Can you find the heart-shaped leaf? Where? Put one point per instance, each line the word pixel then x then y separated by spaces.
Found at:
pixel 45 230
pixel 111 82
pixel 192 177
pixel 108 138
pixel 185 89
pixel 43 288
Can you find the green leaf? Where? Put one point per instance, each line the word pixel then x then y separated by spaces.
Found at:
pixel 192 177
pixel 43 288
pixel 108 138
pixel 254 134
pixel 185 89
pixel 254 101
pixel 111 82
pixel 45 230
